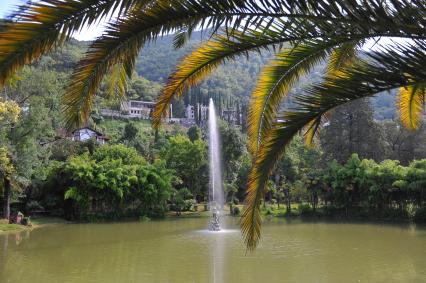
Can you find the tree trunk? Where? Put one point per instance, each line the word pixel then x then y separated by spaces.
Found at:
pixel 288 205
pixel 6 198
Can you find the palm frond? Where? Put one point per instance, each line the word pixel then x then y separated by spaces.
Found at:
pixel 411 104
pixel 43 25
pixel 118 79
pixel 312 130
pixel 342 56
pixel 383 71
pixel 277 79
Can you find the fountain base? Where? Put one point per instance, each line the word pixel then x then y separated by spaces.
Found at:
pixel 214 224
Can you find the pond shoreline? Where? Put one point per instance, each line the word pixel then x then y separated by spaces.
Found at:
pixel 45 221
pixel 6 228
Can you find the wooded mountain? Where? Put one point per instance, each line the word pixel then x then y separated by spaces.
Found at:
pixel 233 81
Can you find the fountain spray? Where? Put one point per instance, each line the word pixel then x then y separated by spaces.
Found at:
pixel 216 189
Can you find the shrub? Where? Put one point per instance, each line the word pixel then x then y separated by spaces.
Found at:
pixel 330 210
pixel 420 215
pixel 235 211
pixel 304 209
pixel 189 205
pixel 34 205
pixel 395 213
pixel 144 218
pixel 268 211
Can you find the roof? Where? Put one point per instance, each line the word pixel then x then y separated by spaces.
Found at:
pixel 88 128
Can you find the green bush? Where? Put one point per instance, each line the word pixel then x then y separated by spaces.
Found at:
pixel 395 213
pixel 235 211
pixel 34 205
pixel 305 209
pixel 189 205
pixel 291 213
pixel 420 215
pixel 330 210
pixel 144 218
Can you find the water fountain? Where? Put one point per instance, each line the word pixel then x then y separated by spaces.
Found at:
pixel 216 190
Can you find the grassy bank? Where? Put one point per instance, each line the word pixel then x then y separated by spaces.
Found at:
pixel 5 227
pixel 304 210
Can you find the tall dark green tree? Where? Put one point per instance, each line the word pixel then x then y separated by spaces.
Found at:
pixel 352 129
pixel 194 133
pixel 403 144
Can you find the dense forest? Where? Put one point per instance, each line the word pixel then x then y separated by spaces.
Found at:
pixel 364 163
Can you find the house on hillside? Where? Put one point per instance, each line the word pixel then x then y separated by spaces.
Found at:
pixel 141 109
pixel 86 133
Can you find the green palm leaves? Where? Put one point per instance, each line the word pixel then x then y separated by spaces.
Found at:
pixel 44 25
pixel 302 33
pixel 275 82
pixel 383 72
pixel 411 102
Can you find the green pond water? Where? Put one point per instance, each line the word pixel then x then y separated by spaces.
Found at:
pixel 182 251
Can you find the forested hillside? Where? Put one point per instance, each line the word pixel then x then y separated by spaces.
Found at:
pixel 233 81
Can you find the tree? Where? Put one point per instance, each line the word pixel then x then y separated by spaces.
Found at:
pixel 9 115
pixel 6 171
pixel 189 161
pixel 194 133
pixel 403 144
pixel 116 180
pixel 43 25
pixel 352 129
pixel 232 148
pixel 181 198
pixel 130 132
pixel 154 188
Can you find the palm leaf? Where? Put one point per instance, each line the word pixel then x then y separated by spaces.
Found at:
pixel 274 83
pixel 42 26
pixel 411 104
pixel 384 71
pixel 343 56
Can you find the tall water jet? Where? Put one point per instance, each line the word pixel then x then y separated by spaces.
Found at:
pixel 216 190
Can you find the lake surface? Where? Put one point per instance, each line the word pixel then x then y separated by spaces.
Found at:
pixel 182 251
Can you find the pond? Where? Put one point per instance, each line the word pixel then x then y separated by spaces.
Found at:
pixel 182 251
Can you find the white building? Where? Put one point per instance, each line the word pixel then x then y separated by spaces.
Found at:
pixel 190 112
pixel 86 133
pixel 140 109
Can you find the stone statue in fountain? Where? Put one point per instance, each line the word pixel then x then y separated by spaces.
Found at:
pixel 214 224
